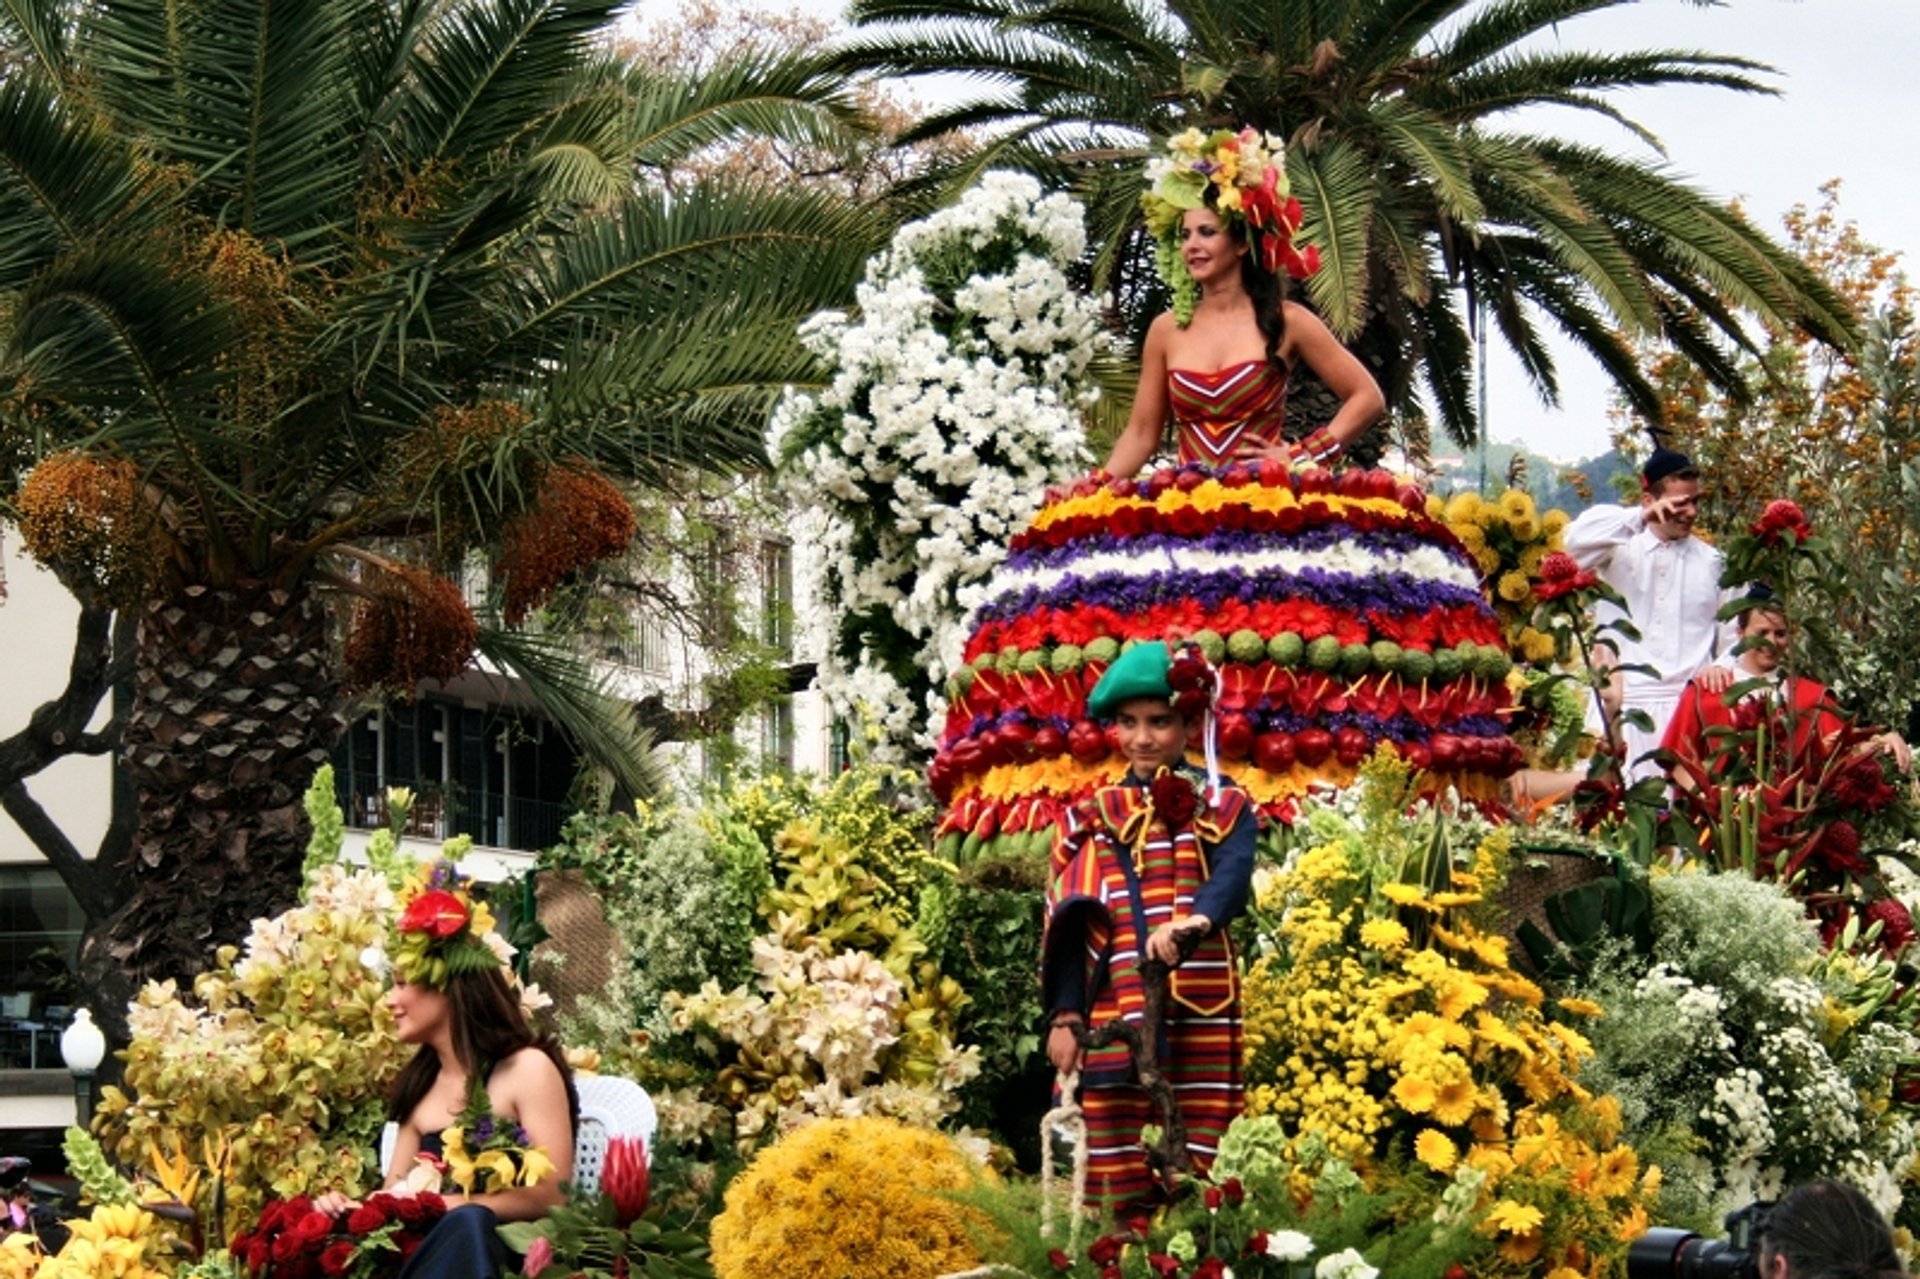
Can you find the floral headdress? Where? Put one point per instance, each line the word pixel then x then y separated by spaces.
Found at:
pixel 1248 177
pixel 442 931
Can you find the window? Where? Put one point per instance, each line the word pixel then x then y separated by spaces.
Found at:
pixel 40 926
pixel 776 734
pixel 776 597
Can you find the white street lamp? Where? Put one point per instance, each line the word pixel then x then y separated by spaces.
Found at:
pixel 83 1048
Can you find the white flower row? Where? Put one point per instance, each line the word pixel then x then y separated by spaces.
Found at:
pixel 1426 563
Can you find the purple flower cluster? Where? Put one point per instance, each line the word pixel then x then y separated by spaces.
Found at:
pixel 1135 593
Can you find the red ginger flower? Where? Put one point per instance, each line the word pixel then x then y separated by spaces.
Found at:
pixel 1896 924
pixel 1561 574
pixel 624 1178
pixel 1782 516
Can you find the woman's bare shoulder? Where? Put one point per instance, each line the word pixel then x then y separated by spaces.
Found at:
pixel 529 1065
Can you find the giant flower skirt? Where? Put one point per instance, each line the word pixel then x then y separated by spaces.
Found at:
pixel 1339 613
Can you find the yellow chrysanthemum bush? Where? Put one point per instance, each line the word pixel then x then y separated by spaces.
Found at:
pixel 864 1198
pixel 1387 1029
pixel 273 1070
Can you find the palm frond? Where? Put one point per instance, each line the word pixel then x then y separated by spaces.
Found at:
pixel 62 179
pixel 484 67
pixel 604 729
pixel 800 99
pixel 1335 188
pixel 37 29
pixel 1432 151
pixel 1447 360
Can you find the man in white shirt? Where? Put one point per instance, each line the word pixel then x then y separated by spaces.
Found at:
pixel 1670 581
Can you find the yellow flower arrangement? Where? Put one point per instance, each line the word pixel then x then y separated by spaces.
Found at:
pixel 1386 1026
pixel 864 1198
pixel 118 1241
pixel 1508 538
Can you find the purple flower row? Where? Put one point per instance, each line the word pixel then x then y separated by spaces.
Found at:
pixel 1395 593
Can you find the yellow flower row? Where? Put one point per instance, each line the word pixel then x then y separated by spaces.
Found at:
pixel 1208 497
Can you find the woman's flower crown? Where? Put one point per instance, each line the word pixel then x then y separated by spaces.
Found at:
pixel 1248 178
pixel 442 931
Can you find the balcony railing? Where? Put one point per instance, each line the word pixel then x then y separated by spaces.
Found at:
pixel 499 821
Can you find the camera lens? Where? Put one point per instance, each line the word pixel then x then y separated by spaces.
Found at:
pixel 1667 1253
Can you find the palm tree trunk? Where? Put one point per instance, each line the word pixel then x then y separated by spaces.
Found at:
pixel 235 704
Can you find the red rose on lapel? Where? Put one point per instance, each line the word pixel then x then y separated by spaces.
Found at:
pixel 1174 799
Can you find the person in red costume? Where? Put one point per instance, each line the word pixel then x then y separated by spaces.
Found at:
pixel 1711 712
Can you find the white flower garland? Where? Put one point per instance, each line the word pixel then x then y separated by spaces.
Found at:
pixel 954 404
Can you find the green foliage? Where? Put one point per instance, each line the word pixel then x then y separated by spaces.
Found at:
pixel 87 1163
pixel 848 866
pixel 983 926
pixel 681 888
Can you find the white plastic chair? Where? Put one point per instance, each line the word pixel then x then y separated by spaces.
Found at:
pixel 609 1107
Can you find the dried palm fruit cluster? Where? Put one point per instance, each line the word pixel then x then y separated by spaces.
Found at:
pixel 411 626
pixel 578 518
pixel 86 519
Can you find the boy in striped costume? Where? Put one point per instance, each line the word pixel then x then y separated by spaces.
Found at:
pixel 1166 852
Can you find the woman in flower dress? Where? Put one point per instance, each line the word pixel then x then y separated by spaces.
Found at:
pixel 1219 359
pixel 1342 616
pixel 482 1081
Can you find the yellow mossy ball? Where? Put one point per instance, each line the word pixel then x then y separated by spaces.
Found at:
pixel 849 1199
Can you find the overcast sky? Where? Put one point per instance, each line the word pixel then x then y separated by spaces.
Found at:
pixel 1849 107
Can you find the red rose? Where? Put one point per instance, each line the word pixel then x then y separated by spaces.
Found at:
pixel 336 1257
pixel 1210 1268
pixel 1174 799
pixel 285 1248
pixel 1105 1250
pixel 409 1209
pixel 1059 1259
pixel 367 1218
pixel 436 1206
pixel 1214 1197
pixel 437 913
pixel 1235 1192
pixel 312 1227
pixel 1163 1265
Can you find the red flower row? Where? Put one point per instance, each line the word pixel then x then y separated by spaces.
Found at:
pixel 1048 697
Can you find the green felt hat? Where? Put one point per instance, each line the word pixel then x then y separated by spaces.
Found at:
pixel 1141 671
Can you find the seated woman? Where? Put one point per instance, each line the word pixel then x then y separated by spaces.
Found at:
pixel 480 1067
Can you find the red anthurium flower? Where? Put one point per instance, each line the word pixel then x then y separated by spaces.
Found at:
pixel 437 913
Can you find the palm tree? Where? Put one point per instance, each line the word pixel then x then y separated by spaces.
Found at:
pixel 319 302
pixel 1426 202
